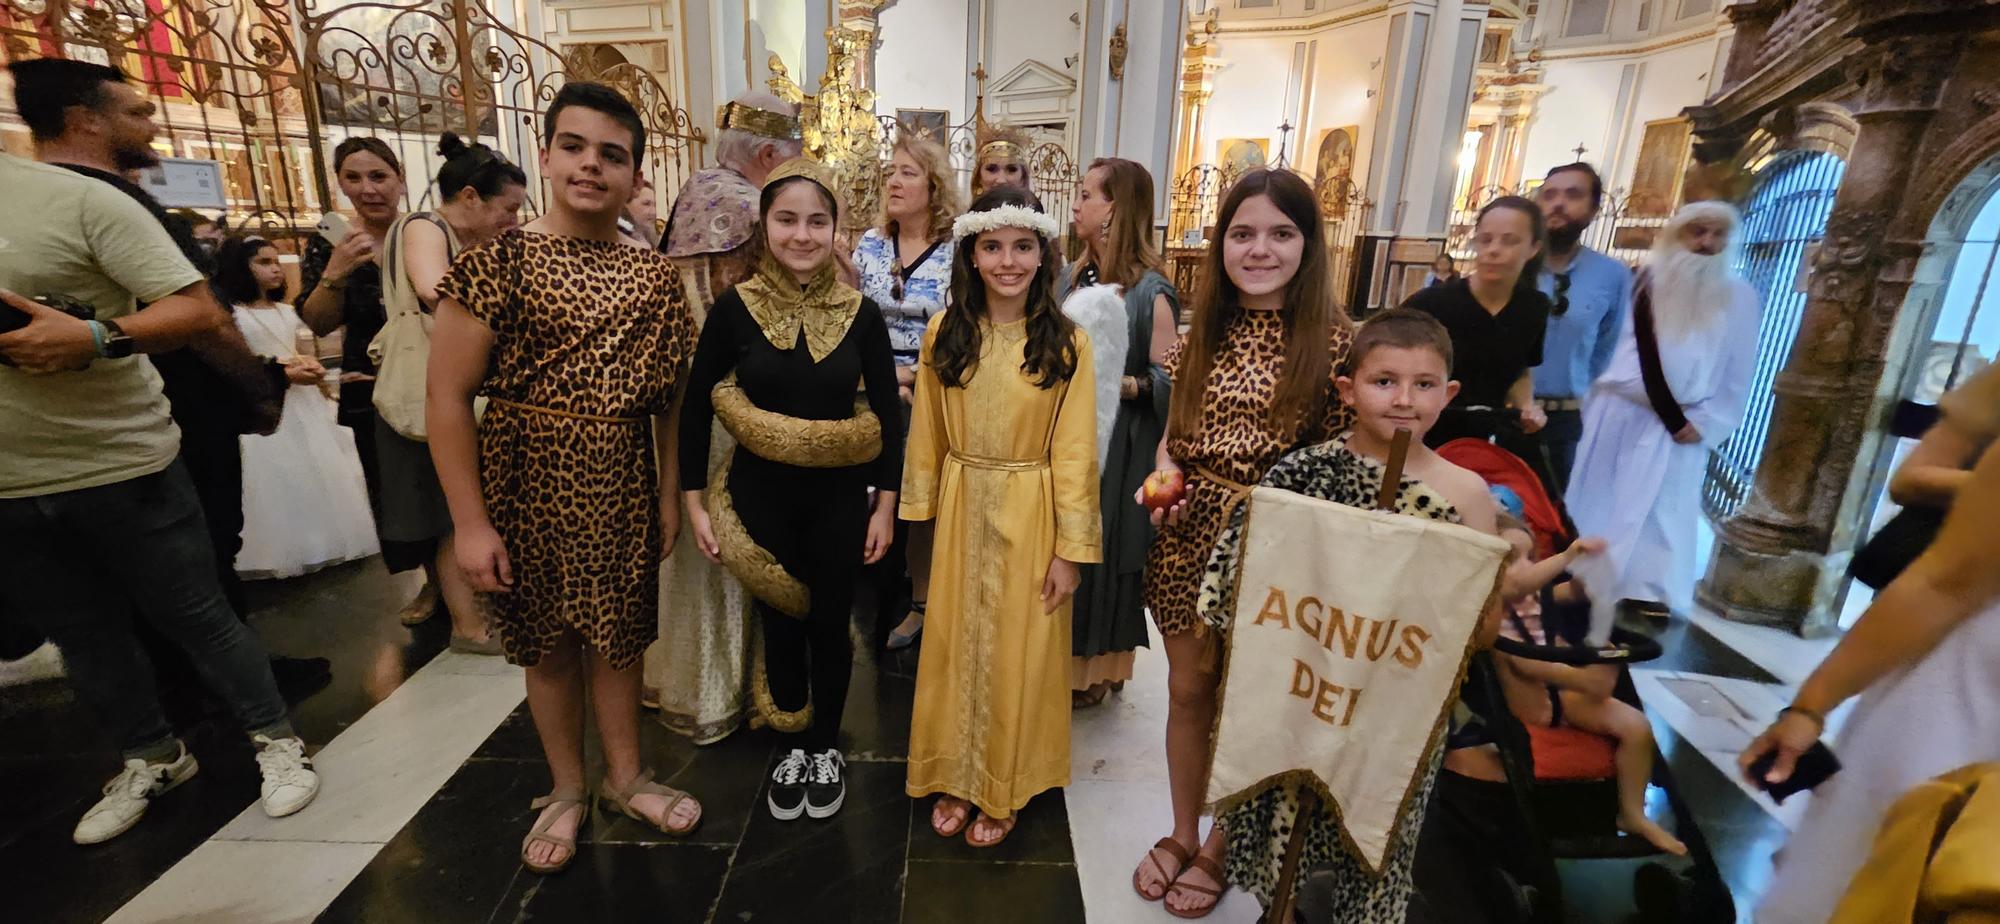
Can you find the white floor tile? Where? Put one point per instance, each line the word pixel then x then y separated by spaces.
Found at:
pixel 1786 656
pixel 376 774
pixel 1112 823
pixel 233 882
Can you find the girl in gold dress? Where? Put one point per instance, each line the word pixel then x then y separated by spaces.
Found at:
pixel 1003 455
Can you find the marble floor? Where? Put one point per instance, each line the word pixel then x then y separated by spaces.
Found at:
pixel 429 762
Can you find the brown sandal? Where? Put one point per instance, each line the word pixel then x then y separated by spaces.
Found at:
pixel 1173 849
pixel 958 817
pixel 540 832
pixel 1009 823
pixel 644 786
pixel 1090 696
pixel 1214 871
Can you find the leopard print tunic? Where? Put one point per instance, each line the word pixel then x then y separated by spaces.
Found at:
pixel 1236 442
pixel 1258 830
pixel 589 340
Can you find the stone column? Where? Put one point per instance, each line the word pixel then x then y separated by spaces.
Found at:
pixel 1199 65
pixel 1782 559
pixel 864 16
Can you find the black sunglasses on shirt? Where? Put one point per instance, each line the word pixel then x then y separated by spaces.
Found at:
pixel 1562 295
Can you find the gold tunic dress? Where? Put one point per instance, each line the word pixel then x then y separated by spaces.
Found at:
pixel 1009 471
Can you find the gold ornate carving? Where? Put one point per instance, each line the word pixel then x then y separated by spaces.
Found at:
pixel 838 124
pixel 1118 52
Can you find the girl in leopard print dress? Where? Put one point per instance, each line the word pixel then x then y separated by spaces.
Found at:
pixel 1253 379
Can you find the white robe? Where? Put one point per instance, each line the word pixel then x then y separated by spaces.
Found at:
pixel 1632 484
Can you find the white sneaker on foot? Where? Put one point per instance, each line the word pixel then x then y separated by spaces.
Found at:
pixel 289 781
pixel 128 794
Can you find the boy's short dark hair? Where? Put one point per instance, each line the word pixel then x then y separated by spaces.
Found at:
pixel 598 98
pixel 1406 328
pixel 46 88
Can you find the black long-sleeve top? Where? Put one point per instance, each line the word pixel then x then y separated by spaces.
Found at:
pixel 789 382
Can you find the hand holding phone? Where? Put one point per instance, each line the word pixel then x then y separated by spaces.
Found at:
pixel 334 227
pixel 1812 768
pixel 1791 751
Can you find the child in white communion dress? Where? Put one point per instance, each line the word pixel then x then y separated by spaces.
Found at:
pixel 305 505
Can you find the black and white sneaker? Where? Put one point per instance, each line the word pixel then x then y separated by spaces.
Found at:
pixel 788 786
pixel 827 787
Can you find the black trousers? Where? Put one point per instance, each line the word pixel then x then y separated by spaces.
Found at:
pixel 814 522
pixel 214 463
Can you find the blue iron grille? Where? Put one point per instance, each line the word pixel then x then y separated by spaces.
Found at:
pixel 1787 214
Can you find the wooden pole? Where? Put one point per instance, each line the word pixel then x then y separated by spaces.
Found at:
pixel 1284 902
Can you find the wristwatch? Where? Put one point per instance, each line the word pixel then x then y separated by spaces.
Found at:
pixel 118 344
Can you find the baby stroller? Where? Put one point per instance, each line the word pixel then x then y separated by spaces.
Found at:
pixel 1562 780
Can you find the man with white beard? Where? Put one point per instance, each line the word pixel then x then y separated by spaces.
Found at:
pixel 1676 388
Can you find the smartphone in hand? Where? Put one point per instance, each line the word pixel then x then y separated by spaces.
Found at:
pixel 1815 766
pixel 334 227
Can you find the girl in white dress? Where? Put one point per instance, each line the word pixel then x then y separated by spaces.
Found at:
pixel 305 505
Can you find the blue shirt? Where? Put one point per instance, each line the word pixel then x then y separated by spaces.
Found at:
pixel 1581 340
pixel 926 288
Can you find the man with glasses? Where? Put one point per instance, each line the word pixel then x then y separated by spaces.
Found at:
pixel 1590 295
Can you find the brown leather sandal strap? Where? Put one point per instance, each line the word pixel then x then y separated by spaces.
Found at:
pixel 1206 865
pixel 1174 849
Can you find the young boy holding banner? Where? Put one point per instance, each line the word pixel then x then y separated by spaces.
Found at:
pixel 1398 378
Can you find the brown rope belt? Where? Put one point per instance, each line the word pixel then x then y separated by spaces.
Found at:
pixel 552 412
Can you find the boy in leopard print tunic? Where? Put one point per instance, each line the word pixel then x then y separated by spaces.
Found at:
pixel 1399 379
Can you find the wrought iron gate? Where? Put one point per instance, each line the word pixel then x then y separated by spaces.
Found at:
pixel 269 87
pixel 1782 225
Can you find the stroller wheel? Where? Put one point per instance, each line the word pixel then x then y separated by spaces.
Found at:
pixel 1669 896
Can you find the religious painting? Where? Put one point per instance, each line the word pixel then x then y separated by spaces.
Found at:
pixel 1236 155
pixel 930 123
pixel 1656 180
pixel 1337 155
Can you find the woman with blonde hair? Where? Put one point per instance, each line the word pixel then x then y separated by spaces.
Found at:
pixel 903 264
pixel 1113 218
pixel 1002 159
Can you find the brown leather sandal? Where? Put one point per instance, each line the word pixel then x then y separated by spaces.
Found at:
pixel 1173 849
pixel 956 818
pixel 1214 871
pixel 1007 827
pixel 644 786
pixel 540 832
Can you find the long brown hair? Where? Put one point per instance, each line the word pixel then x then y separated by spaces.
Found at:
pixel 1310 312
pixel 1051 349
pixel 938 179
pixel 1128 250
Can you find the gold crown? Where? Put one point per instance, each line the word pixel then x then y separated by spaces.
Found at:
pixel 757 121
pixel 1006 149
pixel 810 169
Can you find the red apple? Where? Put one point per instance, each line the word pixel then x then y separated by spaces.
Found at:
pixel 1165 488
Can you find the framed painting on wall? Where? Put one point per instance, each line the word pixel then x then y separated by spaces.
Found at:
pixel 1235 155
pixel 1656 179
pixel 931 123
pixel 1335 155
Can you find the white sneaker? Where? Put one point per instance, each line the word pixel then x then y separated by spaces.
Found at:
pixel 289 781
pixel 128 794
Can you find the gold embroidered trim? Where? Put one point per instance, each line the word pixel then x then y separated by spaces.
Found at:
pixel 998 465
pixel 794 440
pixel 751 564
pixel 823 308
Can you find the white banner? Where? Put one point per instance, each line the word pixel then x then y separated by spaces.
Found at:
pixel 1350 636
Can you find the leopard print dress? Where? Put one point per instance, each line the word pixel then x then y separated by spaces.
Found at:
pixel 1235 441
pixel 1258 830
pixel 589 340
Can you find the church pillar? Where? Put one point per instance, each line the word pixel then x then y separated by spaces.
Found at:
pixel 1426 88
pixel 1782 559
pixel 863 16
pixel 1199 65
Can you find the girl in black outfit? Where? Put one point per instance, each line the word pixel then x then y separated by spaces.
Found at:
pixel 789 349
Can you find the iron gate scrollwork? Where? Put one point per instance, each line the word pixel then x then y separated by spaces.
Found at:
pixel 269 87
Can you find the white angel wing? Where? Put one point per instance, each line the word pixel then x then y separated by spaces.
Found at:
pixel 1100 311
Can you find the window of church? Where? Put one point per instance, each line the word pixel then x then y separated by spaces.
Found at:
pixel 1587 17
pixel 1691 8
pixel 1645 15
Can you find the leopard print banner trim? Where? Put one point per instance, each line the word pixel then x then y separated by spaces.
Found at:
pixel 795 441
pixel 748 562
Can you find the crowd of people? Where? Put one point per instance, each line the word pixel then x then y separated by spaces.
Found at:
pixel 654 459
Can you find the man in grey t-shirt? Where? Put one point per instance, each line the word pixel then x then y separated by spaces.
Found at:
pixel 97 517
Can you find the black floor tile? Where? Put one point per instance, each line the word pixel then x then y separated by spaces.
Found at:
pixel 845 868
pixel 942 892
pixel 515 739
pixel 876 725
pixel 616 883
pixel 1690 648
pixel 455 860
pixel 1041 836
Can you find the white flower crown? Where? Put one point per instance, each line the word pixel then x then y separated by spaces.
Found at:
pixel 1006 216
